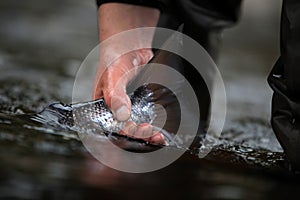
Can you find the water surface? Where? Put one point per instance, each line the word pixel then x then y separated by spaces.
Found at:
pixel 41 47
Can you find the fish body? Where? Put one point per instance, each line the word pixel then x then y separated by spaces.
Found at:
pixel 98 113
pixel 95 116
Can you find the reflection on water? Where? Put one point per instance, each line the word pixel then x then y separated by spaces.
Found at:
pixel 38 162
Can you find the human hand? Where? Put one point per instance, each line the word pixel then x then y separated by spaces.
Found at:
pixel 112 86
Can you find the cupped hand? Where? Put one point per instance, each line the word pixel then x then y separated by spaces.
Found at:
pixel 111 85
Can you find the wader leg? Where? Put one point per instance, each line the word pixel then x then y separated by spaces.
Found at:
pixel 285 82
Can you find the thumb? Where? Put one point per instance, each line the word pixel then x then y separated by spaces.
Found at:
pixel 119 103
pixel 115 81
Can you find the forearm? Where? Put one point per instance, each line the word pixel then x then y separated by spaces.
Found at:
pixel 117 17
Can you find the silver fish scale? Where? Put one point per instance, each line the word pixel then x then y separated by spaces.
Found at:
pixel 97 114
pixel 142 109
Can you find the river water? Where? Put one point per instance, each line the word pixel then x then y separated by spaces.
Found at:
pixel 43 44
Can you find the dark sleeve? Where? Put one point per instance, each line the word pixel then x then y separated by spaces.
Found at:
pixel 210 14
pixel 159 4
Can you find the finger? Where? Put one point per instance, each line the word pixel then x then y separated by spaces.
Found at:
pixel 114 84
pixel 157 138
pixel 144 131
pixel 119 103
pixel 129 129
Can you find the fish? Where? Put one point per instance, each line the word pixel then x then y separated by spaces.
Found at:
pixel 95 117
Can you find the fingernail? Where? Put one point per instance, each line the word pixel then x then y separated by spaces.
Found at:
pixel 122 114
pixel 158 138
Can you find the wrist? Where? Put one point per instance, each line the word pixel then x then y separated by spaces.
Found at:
pixel 117 17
